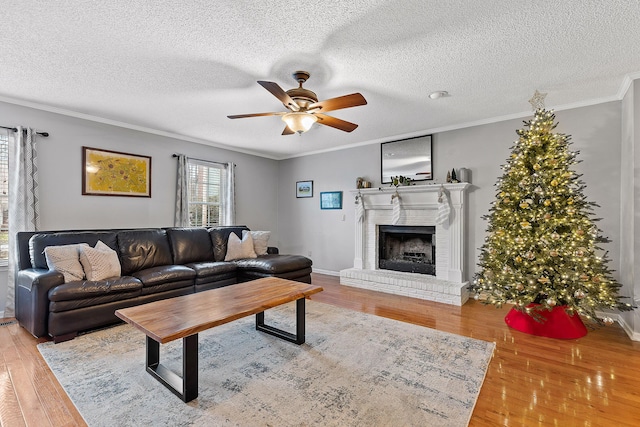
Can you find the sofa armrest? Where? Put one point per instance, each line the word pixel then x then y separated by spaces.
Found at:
pixel 32 298
pixel 272 250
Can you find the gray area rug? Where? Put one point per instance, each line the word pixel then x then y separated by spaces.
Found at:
pixel 355 369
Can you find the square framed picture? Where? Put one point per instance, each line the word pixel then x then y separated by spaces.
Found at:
pixel 331 200
pixel 304 189
pixel 111 173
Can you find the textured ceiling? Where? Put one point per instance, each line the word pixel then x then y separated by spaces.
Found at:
pixel 180 67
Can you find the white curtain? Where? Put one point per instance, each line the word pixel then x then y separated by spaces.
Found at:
pixel 23 199
pixel 182 193
pixel 228 214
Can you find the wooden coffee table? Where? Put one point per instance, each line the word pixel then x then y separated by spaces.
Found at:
pixel 183 317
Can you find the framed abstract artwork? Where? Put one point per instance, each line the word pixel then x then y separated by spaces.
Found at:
pixel 112 173
pixel 331 200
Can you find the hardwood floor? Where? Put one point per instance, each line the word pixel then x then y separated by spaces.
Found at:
pixel 531 381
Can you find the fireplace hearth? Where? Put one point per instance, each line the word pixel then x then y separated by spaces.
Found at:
pixel 410 249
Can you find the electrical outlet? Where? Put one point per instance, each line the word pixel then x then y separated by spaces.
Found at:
pixel 309 253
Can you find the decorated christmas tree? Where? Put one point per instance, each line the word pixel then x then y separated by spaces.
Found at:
pixel 543 249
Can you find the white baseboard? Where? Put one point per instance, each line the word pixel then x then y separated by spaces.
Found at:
pixel 327 272
pixel 1 314
pixel 635 336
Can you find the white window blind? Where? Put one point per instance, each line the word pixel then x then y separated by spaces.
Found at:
pixel 205 193
pixel 4 199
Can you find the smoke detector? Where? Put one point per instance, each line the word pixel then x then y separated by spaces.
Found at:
pixel 438 94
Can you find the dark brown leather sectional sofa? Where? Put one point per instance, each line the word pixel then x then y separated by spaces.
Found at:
pixel 156 263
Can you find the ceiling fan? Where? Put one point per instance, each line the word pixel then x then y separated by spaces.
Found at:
pixel 304 108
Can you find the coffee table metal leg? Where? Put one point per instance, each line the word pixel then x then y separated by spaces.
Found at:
pixel 299 336
pixel 185 387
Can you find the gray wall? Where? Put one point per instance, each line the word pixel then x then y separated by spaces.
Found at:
pixel 630 202
pixel 304 228
pixel 63 206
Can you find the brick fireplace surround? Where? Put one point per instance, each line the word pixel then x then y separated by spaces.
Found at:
pixel 419 206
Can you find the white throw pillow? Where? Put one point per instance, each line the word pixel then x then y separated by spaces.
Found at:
pixel 239 249
pixel 66 260
pixel 260 241
pixel 100 262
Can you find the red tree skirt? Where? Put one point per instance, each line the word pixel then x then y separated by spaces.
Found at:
pixel 558 323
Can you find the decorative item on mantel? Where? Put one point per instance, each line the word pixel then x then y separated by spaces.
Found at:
pixel 444 208
pixel 359 207
pixel 362 183
pixel 395 203
pixel 464 175
pixel 399 180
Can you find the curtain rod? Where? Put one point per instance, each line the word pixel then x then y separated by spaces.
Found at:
pixel 201 160
pixel 45 134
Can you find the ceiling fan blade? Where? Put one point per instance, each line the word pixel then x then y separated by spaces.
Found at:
pixel 344 125
pixel 279 93
pixel 346 101
pixel 242 116
pixel 287 131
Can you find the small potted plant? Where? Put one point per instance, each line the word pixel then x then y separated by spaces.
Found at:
pixel 399 180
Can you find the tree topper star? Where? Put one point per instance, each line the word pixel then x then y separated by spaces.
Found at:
pixel 537 100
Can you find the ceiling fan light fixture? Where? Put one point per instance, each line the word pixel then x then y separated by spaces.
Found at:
pixel 299 121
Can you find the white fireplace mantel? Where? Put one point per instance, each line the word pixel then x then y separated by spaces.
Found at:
pixel 419 206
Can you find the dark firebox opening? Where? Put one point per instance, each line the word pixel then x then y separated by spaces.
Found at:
pixel 411 249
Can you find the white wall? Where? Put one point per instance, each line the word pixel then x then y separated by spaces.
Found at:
pixel 63 206
pixel 304 228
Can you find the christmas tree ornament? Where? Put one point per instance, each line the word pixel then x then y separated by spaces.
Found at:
pixel 542 249
pixel 537 100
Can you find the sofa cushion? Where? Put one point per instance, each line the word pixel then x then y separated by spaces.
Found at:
pixel 93 304
pixel 66 260
pixel 39 241
pixel 206 269
pixel 142 249
pixel 260 241
pixel 238 249
pixel 99 263
pixel 84 289
pixel 164 274
pixel 220 237
pixel 190 245
pixel 274 264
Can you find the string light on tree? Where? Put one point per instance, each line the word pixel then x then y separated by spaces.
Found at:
pixel 542 248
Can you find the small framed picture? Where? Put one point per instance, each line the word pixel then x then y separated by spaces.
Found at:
pixel 304 189
pixel 331 200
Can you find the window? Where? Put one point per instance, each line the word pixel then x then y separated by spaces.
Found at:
pixel 4 199
pixel 205 193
